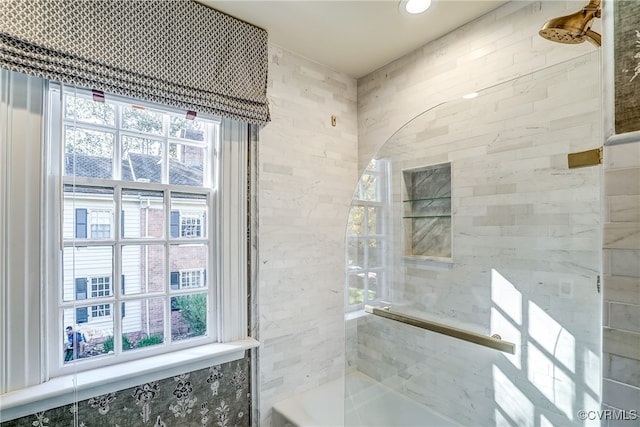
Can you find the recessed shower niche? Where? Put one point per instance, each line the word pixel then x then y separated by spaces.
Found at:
pixel 427 212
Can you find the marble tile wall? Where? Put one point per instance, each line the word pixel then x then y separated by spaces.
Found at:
pixel 621 281
pixel 526 255
pixel 496 47
pixel 306 178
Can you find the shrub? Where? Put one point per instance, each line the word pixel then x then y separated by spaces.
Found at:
pixel 108 344
pixel 193 309
pixel 150 340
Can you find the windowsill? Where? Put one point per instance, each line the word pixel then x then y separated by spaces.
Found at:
pixel 351 315
pixel 67 389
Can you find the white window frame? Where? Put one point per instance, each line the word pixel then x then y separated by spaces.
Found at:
pixel 190 221
pixel 100 218
pixel 100 311
pixel 58 93
pixel 100 290
pixel 192 275
pixel 25 370
pixel 378 170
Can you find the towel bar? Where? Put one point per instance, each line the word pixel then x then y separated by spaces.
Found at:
pixel 494 342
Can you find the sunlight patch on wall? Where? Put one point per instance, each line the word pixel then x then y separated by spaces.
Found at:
pixel 506 314
pixel 552 337
pixel 510 400
pixel 550 379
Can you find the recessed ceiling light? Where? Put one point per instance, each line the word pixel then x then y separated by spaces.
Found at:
pixel 414 7
pixel 470 95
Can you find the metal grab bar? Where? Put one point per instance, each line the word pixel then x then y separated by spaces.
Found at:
pixel 494 342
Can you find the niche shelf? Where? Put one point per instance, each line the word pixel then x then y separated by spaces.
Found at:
pixel 427 212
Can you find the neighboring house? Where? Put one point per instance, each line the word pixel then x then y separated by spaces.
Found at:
pixel 89 214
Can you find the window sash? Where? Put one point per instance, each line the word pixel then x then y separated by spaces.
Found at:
pixel 113 306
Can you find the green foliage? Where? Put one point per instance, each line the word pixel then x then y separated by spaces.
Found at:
pixel 108 344
pixel 150 340
pixel 356 296
pixel 194 311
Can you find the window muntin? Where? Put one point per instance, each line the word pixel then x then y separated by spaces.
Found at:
pixel 367 238
pixel 163 163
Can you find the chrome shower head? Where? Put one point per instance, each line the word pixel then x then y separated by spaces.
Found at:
pixel 574 28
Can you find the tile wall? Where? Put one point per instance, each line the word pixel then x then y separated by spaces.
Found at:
pixel 621 282
pixel 307 175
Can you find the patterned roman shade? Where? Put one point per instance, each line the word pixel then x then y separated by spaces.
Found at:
pixel 178 53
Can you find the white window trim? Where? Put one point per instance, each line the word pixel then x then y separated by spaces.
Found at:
pixel 23 249
pixel 382 176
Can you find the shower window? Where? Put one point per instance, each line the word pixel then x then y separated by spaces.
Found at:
pixel 367 238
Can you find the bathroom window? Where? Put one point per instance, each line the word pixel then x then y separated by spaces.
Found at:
pixel 158 169
pixel 367 238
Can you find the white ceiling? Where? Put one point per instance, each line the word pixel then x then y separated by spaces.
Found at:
pixel 354 37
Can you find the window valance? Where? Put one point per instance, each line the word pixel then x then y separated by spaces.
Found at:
pixel 178 53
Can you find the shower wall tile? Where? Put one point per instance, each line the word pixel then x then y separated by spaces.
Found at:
pixel 621 235
pixel 501 45
pixel 622 369
pixel 622 289
pixel 621 283
pixel 306 177
pixel 623 208
pixel 621 343
pixel 620 395
pixel 625 317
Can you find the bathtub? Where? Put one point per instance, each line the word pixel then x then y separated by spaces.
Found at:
pixel 367 404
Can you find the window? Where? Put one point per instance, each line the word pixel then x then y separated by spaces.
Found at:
pixel 47 206
pixel 100 224
pixel 192 278
pixel 186 224
pixel 100 287
pixel 159 170
pixel 102 310
pixel 367 238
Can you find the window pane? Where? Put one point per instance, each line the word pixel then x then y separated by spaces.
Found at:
pixel 142 120
pixel 186 165
pixel 372 220
pixel 84 335
pixel 356 220
pixel 142 214
pixel 356 289
pixel 193 130
pixel 88 111
pixel 189 316
pixel 88 212
pixel 141 159
pixel 88 153
pixel 188 264
pixel 374 252
pixel 188 215
pixel 142 269
pixel 142 323
pixel 355 253
pixel 368 188
pixel 84 266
